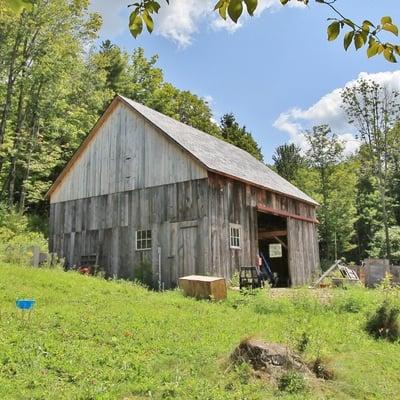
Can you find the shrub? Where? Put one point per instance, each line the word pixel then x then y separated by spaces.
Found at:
pixel 321 370
pixel 351 305
pixel 17 239
pixel 143 273
pixel 235 280
pixel 303 342
pixel 292 382
pixel 384 323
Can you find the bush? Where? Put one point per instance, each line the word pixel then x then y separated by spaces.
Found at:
pixel 292 382
pixel 143 273
pixel 384 323
pixel 303 342
pixel 17 239
pixel 235 280
pixel 321 370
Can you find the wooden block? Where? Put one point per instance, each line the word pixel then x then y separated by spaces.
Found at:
pixel 203 287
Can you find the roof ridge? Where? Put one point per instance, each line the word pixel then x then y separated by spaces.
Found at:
pixel 247 157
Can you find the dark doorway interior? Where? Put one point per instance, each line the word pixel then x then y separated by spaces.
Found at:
pixel 272 243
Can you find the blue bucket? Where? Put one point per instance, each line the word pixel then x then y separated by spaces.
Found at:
pixel 25 304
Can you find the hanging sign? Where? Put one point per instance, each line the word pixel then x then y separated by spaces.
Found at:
pixel 275 250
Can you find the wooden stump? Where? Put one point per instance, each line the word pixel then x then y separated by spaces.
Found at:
pixel 203 287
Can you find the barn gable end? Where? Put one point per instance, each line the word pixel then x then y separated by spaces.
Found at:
pixel 125 153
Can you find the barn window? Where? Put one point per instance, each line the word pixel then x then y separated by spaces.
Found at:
pixel 235 231
pixel 143 240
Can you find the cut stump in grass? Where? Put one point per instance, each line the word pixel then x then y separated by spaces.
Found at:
pixel 268 359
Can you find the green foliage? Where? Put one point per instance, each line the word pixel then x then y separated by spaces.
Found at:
pixel 292 382
pixel 233 133
pixel 333 186
pixel 288 161
pixel 303 342
pixel 321 370
pixel 384 323
pixel 378 244
pixel 143 273
pixel 17 239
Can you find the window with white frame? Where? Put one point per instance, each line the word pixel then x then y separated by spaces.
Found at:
pixel 143 239
pixel 235 231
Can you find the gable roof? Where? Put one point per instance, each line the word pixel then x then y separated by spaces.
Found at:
pixel 214 154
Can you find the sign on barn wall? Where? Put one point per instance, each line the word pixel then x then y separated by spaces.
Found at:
pixel 275 250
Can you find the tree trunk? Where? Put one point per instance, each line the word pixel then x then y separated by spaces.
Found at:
pixel 35 131
pixel 382 193
pixel 18 129
pixel 10 87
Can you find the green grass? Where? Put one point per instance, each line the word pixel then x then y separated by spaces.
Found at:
pixel 92 339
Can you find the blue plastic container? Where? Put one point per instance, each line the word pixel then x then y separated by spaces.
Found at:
pixel 25 304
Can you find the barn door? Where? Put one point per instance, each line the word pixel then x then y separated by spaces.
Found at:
pixel 187 251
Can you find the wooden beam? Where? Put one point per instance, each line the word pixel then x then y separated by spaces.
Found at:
pixel 282 213
pixel 271 234
pixel 281 242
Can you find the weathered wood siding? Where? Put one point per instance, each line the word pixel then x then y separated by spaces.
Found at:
pixel 127 153
pixel 106 225
pixel 231 201
pixel 304 264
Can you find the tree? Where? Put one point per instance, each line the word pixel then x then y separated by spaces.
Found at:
pixel 324 153
pixel 233 133
pixel 41 52
pixel 374 110
pixel 288 161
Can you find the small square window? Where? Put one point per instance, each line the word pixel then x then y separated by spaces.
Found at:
pixel 235 231
pixel 143 240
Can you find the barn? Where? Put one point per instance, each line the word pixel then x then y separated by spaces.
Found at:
pixel 145 189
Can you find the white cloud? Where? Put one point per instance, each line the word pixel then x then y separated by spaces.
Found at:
pixel 179 21
pixel 328 110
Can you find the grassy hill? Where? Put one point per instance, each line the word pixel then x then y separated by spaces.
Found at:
pixel 93 339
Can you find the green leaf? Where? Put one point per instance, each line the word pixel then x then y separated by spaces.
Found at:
pixel 373 48
pixel 251 6
pixel 358 40
pixel 235 9
pixel 222 9
pixel 348 38
pixel 386 20
pixel 391 28
pixel 349 22
pixel 148 21
pixel 153 6
pixel 388 54
pixel 284 2
pixel 135 24
pixel 219 4
pixel 333 30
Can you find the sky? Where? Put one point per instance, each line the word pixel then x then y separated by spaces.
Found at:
pixel 276 71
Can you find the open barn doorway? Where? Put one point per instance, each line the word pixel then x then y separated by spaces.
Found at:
pixel 273 246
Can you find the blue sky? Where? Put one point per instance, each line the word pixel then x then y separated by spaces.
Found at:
pixel 277 72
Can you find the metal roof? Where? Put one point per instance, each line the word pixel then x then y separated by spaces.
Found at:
pixel 219 156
